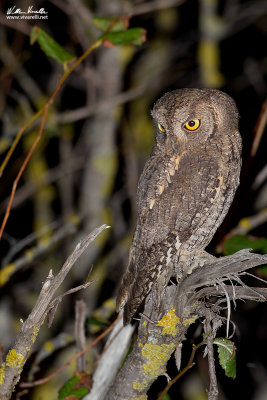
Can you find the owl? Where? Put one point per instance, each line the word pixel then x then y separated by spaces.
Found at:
pixel 185 190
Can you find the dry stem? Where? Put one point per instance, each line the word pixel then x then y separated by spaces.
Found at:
pixel 18 355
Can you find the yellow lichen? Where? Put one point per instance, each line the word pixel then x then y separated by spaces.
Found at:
pixel 14 359
pixel 5 273
pixel 140 386
pixel 49 347
pixel 2 374
pixel 73 218
pixel 245 223
pixel 169 323
pixel 105 166
pixel 5 143
pixel 141 397
pixel 35 333
pixel 189 321
pixel 145 323
pixel 29 253
pixel 110 304
pixel 157 356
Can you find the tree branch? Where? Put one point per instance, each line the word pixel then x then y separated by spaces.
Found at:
pixel 170 310
pixel 213 390
pixel 18 355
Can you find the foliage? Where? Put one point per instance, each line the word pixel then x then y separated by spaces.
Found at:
pixel 227 356
pixel 239 242
pixel 70 389
pixel 50 47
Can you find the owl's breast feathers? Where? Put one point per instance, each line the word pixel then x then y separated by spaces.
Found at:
pixel 182 199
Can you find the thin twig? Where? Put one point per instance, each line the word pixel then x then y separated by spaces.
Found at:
pixel 189 365
pixel 247 224
pixel 74 358
pixel 20 26
pixel 222 284
pixel 259 129
pixel 153 6
pixel 43 110
pixel 80 316
pixel 213 389
pixel 60 171
pixel 38 137
pixel 41 248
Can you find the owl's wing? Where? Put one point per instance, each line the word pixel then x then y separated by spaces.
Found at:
pixel 174 205
pixel 179 203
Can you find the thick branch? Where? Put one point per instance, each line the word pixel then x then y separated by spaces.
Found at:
pixel 168 313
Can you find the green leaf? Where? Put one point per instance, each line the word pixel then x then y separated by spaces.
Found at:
pixel 79 393
pixel 114 23
pixel 49 46
pixel 239 242
pixel 132 35
pixel 95 322
pixel 227 356
pixel 262 270
pixel 67 387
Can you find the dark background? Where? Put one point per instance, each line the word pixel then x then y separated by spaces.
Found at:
pixel 97 136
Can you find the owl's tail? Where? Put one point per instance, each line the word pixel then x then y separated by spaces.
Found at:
pixel 125 286
pixel 141 274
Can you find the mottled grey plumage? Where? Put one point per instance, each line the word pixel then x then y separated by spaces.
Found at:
pixel 185 190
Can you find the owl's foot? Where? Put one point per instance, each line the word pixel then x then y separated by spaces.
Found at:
pixel 189 261
pixel 204 258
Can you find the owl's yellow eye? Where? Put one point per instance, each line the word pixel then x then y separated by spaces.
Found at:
pixel 192 125
pixel 161 128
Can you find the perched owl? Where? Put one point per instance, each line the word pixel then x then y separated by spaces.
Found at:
pixel 186 188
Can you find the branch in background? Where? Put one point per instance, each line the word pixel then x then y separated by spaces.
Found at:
pixel 112 358
pixel 29 189
pixel 51 346
pixel 80 317
pixel 18 355
pixel 19 25
pixel 260 178
pixel 54 50
pixel 152 6
pixel 98 108
pixel 247 224
pixel 74 358
pixel 22 168
pixel 36 251
pixel 259 129
pixel 43 110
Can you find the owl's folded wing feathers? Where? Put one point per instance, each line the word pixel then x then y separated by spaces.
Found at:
pixel 178 212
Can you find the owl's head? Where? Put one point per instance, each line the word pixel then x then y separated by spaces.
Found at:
pixel 188 118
